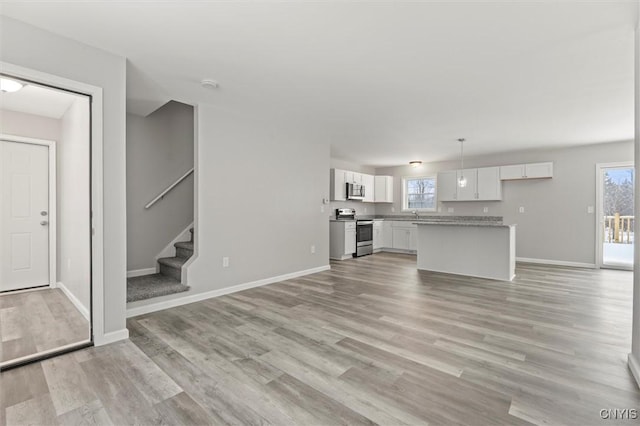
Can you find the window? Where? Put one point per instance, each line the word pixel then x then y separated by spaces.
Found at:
pixel 419 193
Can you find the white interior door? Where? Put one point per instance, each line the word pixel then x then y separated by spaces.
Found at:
pixel 24 215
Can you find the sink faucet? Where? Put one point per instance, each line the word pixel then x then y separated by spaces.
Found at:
pixel 415 212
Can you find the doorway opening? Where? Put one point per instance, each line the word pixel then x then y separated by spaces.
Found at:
pixel 615 215
pixel 45 221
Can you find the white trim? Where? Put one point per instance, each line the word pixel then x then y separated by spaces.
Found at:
pixel 79 306
pixel 600 214
pixel 634 366
pixel 51 155
pixel 145 309
pixel 556 262
pixel 42 353
pixel 141 272
pixel 111 337
pixel 97 179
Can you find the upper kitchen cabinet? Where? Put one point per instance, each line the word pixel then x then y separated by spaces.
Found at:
pixel 489 185
pixel 369 188
pixel 527 171
pixel 383 189
pixel 338 188
pixel 353 177
pixel 482 185
pixel 447 186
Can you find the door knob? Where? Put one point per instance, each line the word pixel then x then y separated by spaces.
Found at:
pixel 44 223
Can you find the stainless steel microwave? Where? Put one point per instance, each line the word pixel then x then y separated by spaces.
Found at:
pixel 355 191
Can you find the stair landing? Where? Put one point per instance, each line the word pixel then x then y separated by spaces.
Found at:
pixel 155 285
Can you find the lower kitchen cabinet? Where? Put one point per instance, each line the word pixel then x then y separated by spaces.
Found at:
pixel 342 239
pixel 378 235
pixel 404 236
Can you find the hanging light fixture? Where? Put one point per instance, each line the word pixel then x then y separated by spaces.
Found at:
pixel 462 181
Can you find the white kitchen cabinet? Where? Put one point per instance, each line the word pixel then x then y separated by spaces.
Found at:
pixel 527 171
pixel 489 184
pixel 538 170
pixel 387 234
pixel 404 236
pixel 468 192
pixel 378 235
pixel 353 177
pixel 482 184
pixel 447 186
pixel 369 188
pixel 383 189
pixel 337 188
pixel 342 239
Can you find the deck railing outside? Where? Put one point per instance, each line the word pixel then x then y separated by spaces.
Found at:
pixel 618 229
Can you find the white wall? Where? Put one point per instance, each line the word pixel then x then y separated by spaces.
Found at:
pixel 29 125
pixel 40 50
pixel 361 208
pixel 634 356
pixel 159 150
pixel 555 225
pixel 73 195
pixel 260 188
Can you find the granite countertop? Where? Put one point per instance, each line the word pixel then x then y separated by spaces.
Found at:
pixel 485 223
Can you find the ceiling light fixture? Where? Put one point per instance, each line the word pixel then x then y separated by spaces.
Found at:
pixel 462 181
pixel 8 86
pixel 207 83
pixel 415 163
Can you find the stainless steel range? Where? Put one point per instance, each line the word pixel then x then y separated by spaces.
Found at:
pixel 364 231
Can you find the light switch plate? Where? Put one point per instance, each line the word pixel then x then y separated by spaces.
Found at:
pixel 321 209
pixel 485 209
pixel 590 209
pixel 521 209
pixel 450 210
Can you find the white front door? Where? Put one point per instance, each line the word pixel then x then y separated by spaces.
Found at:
pixel 24 215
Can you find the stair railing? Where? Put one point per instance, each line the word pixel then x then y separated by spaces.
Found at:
pixel 168 189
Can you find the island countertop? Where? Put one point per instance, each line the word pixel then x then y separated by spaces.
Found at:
pixel 463 223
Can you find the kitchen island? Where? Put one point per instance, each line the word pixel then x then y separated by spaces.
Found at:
pixel 485 249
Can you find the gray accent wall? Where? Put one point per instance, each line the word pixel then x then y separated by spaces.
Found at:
pixel 555 224
pixel 31 47
pixel 159 151
pixel 260 187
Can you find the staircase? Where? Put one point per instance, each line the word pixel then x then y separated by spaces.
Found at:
pixel 168 281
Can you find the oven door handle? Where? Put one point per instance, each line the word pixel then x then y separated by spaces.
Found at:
pixel 366 222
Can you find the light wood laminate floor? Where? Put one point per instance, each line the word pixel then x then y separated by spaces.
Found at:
pixel 40 320
pixel 371 341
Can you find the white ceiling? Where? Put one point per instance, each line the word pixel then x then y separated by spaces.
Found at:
pixel 38 100
pixel 387 81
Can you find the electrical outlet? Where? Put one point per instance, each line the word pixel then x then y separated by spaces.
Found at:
pixel 485 209
pixel 365 209
pixel 393 209
pixel 313 249
pixel 590 209
pixel 449 209
pixel 521 209
pixel 225 262
pixel 68 264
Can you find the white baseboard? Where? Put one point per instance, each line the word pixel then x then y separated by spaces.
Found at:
pixel 556 262
pixel 153 307
pixel 79 306
pixel 111 337
pixel 141 272
pixel 634 366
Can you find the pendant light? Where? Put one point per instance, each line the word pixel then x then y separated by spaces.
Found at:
pixel 462 181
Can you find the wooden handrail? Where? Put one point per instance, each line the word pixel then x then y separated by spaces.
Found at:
pixel 615 228
pixel 169 188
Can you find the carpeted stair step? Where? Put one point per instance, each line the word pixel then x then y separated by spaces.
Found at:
pixel 155 285
pixel 172 266
pixel 184 249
